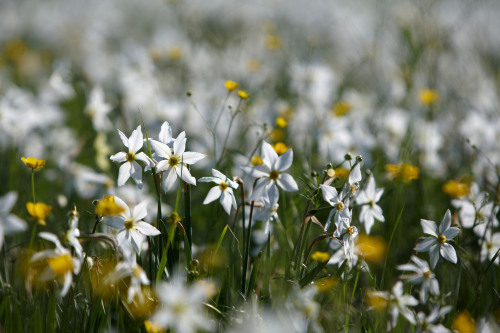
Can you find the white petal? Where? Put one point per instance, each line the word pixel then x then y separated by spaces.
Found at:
pixel 147 229
pixel 7 202
pixel 165 135
pixel 355 174
pixel 185 175
pixel 119 157
pixel 330 194
pixel 121 203
pixel 161 149
pixel 260 189
pixel 68 278
pixel 136 173
pixel 124 138
pixel 448 252
pixel 210 179
pixel 451 233
pixel 169 181
pixel 140 211
pixel 269 155
pixel 162 166
pixel 286 182
pixel 13 224
pixel 115 222
pixel 429 227
pixel 136 239
pixel 180 144
pixel 446 222
pixel 426 244
pixel 258 171
pixel 226 202
pixel 213 194
pixel 218 174
pixel 190 157
pixel 50 237
pixel 434 255
pixel 144 158
pixel 124 173
pixel 135 141
pixel 284 161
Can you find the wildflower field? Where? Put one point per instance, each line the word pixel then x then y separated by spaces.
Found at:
pixel 261 166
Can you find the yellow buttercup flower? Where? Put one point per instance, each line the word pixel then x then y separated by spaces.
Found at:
pixel 371 248
pixel 320 256
pixel 341 108
pixel 256 160
pixel 428 97
pixel 61 264
pixel 152 327
pixel 39 211
pixel 281 122
pixel 33 163
pixel 231 85
pixel 405 172
pixel 326 284
pixel 456 189
pixel 463 323
pixel 108 207
pixel 281 148
pixel 243 94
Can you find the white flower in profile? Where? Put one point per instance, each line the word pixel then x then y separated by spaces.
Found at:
pixel 175 160
pixel 131 228
pixel 423 276
pixel 61 264
pixel 223 190
pixel 9 223
pixel 436 244
pixel 370 211
pixel 181 308
pixel 490 246
pixel 73 232
pixel 130 269
pixel 270 172
pixel 130 168
pixel 97 109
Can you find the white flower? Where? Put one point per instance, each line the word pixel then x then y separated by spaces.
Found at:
pixel 223 190
pixel 181 307
pixel 60 262
pixel 131 168
pixel 436 244
pixel 397 303
pixel 270 172
pixel 427 324
pixel 267 209
pixel 423 275
pixel 340 208
pixel 131 228
pixel 9 223
pixel 175 160
pixel 370 210
pixel 490 247
pixel 130 269
pixel 73 232
pixel 98 110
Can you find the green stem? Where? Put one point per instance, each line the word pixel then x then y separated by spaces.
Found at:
pixel 33 184
pixel 233 116
pixel 247 250
pixel 187 212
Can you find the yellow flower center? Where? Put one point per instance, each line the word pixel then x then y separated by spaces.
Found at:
pixel 371 203
pixel 129 224
pixel 137 271
pixel 350 230
pixel 427 275
pixel 130 157
pixel 173 161
pixel 61 264
pixel 274 175
pixel 340 205
pixel 441 239
pixel 223 186
pixel 489 245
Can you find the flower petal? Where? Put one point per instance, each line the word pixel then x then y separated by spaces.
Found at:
pixel 426 244
pixel 7 202
pixel 165 135
pixel 140 211
pixel 135 141
pixel 448 252
pixel 429 227
pixel 161 149
pixel 147 229
pixel 446 222
pixel 269 155
pixel 119 157
pixel 124 138
pixel 286 182
pixel 434 255
pixel 226 202
pixel 180 144
pixel 169 181
pixel 213 194
pixel 284 161
pixel 330 194
pixel 191 157
pixel 260 189
pixel 451 233
pixel 124 173
pixel 185 175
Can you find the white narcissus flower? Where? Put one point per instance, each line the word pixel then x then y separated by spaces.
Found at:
pixel 270 172
pixel 175 160
pixel 423 276
pixel 427 324
pixel 490 246
pixel 60 262
pixel 370 210
pixel 130 269
pixel 9 223
pixel 223 190
pixel 98 110
pixel 131 228
pixel 130 168
pixel 73 232
pixel 436 244
pixel 340 208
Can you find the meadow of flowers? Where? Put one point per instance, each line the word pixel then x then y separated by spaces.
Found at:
pixel 260 166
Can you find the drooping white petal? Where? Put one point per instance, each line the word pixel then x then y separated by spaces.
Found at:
pixel 124 173
pixel 169 181
pixel 144 158
pixel 147 229
pixel 210 179
pixel 185 175
pixel 284 161
pixel 136 140
pixel 226 201
pixel 286 182
pixel 214 194
pixel 434 255
pixel 377 213
pixel 136 238
pixel 68 278
pixel 448 252
pixel 50 237
pixel 429 227
pixel 218 174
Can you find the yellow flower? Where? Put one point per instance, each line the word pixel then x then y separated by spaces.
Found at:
pixel 281 148
pixel 371 248
pixel 243 94
pixel 341 108
pixel 455 188
pixel 61 264
pixel 39 211
pixel 428 97
pixel 342 172
pixel 405 172
pixel 174 53
pixel 281 122
pixel 376 301
pixel 231 85
pixel 463 323
pixel 33 163
pixel 108 207
pixel 256 160
pixel 273 42
pixel 326 284
pixel 152 327
pixel 320 256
